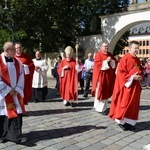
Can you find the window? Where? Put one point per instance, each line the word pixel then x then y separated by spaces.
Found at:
pixel 147 43
pixel 140 43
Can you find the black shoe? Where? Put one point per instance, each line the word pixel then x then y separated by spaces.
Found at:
pixel 36 100
pixel 104 113
pixel 73 104
pixel 123 127
pixel 85 95
pixel 23 140
pixel 130 127
pixel 3 140
pixel 67 104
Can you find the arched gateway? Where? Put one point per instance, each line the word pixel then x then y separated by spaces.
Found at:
pixel 114 26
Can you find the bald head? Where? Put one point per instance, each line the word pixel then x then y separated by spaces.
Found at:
pixel 104 47
pixel 8 45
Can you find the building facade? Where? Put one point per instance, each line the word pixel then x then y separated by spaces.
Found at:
pixel 140 33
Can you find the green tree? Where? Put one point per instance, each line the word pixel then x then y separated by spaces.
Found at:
pixel 123 41
pixel 54 23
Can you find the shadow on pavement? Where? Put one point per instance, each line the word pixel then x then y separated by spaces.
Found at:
pixel 85 104
pixel 44 135
pixel 146 107
pixel 55 111
pixel 54 100
pixel 145 125
pixel 47 100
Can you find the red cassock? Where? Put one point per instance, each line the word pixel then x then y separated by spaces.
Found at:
pixel 104 77
pixel 68 83
pixel 26 60
pixel 125 101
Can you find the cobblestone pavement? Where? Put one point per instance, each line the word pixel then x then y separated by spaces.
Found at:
pixel 50 125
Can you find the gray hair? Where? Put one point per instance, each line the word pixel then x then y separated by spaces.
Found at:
pixel 7 45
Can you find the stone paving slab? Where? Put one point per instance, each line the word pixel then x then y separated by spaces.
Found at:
pixel 50 125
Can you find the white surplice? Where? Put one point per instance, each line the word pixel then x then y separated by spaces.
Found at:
pixel 40 75
pixel 101 106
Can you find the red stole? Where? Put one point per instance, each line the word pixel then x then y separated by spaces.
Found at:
pixel 25 59
pixel 10 105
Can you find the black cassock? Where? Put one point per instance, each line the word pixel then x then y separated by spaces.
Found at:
pixel 11 129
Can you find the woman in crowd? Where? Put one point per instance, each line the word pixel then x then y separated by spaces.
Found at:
pixel 56 75
pixel 147 73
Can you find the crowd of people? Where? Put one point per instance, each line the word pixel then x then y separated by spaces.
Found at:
pixel 22 77
pixel 120 79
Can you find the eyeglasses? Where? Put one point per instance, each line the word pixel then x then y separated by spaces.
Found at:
pixel 12 49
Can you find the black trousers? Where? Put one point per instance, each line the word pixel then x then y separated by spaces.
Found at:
pixel 39 93
pixel 81 83
pixel 88 79
pixel 11 129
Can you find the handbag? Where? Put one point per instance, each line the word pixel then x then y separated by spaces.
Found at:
pixel 83 75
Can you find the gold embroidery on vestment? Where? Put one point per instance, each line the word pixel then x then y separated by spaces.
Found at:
pixel 12 105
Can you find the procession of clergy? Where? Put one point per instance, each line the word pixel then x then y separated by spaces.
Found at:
pixel 22 78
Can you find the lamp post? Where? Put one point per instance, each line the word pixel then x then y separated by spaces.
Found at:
pixel 40 46
pixel 10 26
pixel 77 47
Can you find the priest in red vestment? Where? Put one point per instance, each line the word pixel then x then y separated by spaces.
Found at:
pixel 28 71
pixel 126 95
pixel 68 78
pixel 103 78
pixel 11 96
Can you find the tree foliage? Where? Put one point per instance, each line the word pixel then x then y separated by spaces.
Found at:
pixel 53 23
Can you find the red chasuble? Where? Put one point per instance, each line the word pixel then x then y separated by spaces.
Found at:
pixel 68 83
pixel 104 77
pixel 125 101
pixel 26 60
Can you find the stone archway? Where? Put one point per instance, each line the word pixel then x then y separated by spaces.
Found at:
pixel 114 26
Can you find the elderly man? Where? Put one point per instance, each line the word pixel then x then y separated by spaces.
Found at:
pixel 103 78
pixel 11 96
pixel 88 65
pixel 68 78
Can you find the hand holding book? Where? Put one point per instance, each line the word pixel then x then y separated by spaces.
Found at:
pixel 136 73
